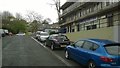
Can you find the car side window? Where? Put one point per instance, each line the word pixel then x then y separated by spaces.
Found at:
pixel 88 45
pixel 95 46
pixel 50 37
pixel 79 43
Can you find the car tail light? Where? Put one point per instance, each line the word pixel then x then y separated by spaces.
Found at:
pixel 106 59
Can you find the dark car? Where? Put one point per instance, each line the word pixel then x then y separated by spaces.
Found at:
pixel 57 41
pixel 95 53
pixel 2 33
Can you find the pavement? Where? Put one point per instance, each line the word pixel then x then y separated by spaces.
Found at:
pixel 27 51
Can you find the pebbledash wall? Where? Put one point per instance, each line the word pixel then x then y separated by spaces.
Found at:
pixel 102 33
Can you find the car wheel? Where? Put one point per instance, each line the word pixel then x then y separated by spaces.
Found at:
pixel 45 43
pixel 67 55
pixel 52 46
pixel 91 64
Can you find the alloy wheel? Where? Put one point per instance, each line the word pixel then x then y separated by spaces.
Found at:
pixel 52 46
pixel 66 54
pixel 45 43
pixel 91 65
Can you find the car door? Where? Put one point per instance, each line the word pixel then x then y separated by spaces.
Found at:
pixel 85 51
pixel 48 40
pixel 75 50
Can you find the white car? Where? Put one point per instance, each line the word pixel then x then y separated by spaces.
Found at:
pixel 20 34
pixel 37 34
pixel 2 33
pixel 43 36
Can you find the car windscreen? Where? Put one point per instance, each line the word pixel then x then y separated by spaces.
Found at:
pixel 113 49
pixel 1 31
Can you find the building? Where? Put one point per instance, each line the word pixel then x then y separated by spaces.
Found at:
pixel 91 20
pixel 54 25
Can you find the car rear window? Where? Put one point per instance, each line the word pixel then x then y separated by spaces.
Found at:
pixel 113 49
pixel 61 37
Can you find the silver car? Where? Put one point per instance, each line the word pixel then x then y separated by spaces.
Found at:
pixel 43 36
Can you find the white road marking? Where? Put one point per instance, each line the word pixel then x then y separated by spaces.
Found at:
pixel 60 58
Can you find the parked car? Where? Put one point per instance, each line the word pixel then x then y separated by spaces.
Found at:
pixel 6 31
pixel 2 33
pixel 57 41
pixel 37 34
pixel 20 34
pixel 10 33
pixel 43 36
pixel 95 53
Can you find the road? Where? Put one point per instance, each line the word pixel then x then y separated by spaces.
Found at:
pixel 26 51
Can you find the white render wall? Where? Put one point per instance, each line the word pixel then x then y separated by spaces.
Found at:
pixel 116 31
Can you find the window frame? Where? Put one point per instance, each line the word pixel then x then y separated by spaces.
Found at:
pixel 92 47
pixel 79 41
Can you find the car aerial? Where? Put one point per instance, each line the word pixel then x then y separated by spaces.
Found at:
pixel 20 34
pixel 95 53
pixel 57 41
pixel 43 36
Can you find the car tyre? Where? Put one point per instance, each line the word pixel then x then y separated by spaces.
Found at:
pixel 45 43
pixel 91 64
pixel 52 46
pixel 67 55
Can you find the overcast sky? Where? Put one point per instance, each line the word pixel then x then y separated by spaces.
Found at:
pixel 42 7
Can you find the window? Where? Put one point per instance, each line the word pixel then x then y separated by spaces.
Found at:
pixel 94 26
pixel 110 21
pixel 88 27
pixel 113 49
pixel 73 30
pixel 91 27
pixel 79 43
pixel 50 37
pixel 80 14
pixel 95 46
pixel 107 3
pixel 78 27
pixel 88 45
pixel 70 28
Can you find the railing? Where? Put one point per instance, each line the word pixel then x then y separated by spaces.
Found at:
pixel 72 7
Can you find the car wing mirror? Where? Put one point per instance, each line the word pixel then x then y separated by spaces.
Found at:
pixel 47 38
pixel 73 44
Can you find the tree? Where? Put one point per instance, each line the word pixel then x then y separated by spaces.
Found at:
pixel 18 16
pixel 56 3
pixel 46 21
pixel 34 26
pixel 32 15
pixel 35 20
pixel 13 24
pixel 6 14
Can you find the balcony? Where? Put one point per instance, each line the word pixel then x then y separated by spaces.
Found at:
pixel 72 7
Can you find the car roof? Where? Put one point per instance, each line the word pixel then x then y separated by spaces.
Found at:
pixel 101 41
pixel 58 35
pixel 43 32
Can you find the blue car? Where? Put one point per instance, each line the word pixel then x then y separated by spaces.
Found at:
pixel 95 53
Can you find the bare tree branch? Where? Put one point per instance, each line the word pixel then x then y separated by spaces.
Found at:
pixel 57 5
pixel 32 15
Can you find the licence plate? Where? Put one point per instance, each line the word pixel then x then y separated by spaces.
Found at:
pixel 63 45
